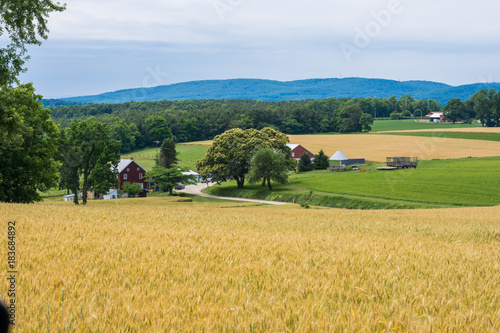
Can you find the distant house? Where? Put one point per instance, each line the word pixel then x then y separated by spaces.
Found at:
pixel 298 151
pixel 131 172
pixel 435 117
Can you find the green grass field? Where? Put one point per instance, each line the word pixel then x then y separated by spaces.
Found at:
pixel 436 183
pixel 410 124
pixel 188 155
pixel 453 135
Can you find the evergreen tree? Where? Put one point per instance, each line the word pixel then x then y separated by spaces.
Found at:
pixel 168 154
pixel 305 163
pixel 321 161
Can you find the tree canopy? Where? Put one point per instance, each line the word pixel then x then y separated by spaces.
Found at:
pixel 87 152
pixel 27 146
pixel 321 161
pixel 305 163
pixel 266 165
pixel 23 23
pixel 231 152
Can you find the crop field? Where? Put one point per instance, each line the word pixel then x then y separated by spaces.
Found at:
pixel 453 135
pixel 153 265
pixel 376 147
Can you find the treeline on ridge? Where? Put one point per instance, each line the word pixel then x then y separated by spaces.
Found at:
pixel 139 124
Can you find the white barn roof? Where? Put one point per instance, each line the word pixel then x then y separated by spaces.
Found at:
pixel 338 156
pixel 292 146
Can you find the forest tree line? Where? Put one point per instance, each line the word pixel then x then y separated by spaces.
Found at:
pixel 140 124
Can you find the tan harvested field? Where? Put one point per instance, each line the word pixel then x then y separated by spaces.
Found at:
pixel 151 265
pixel 376 147
pixel 462 130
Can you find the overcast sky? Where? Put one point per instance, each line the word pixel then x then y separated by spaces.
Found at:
pixel 107 45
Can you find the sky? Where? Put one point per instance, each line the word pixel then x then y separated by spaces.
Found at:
pixel 108 45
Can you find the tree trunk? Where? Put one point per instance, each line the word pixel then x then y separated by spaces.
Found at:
pixel 264 181
pixel 75 191
pixel 84 188
pixel 240 181
pixel 170 189
pixel 269 183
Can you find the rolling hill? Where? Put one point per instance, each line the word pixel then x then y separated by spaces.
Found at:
pixel 268 90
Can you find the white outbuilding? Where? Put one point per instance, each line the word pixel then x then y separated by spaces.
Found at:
pixel 339 156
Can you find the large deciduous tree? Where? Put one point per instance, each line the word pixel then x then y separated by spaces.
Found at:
pixel 231 152
pixel 87 152
pixel 268 164
pixel 27 146
pixel 455 110
pixel 166 178
pixel 23 23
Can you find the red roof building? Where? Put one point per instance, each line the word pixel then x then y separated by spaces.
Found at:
pixel 298 151
pixel 130 171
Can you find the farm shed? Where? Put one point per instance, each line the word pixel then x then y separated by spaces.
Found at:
pixel 298 151
pixel 112 194
pixel 339 159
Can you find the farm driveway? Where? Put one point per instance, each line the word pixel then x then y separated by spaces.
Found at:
pixel 196 190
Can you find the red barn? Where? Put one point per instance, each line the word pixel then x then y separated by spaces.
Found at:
pixel 130 171
pixel 298 150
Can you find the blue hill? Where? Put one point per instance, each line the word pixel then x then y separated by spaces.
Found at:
pixel 268 90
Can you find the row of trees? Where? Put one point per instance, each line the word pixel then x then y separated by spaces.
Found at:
pixel 483 105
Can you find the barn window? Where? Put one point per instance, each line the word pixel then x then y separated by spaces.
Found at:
pixel 124 176
pixel 128 169
pixel 293 154
pixel 140 176
pixel 138 169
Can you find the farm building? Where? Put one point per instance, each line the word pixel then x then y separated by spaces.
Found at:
pixel 298 150
pixel 130 171
pixel 435 117
pixel 339 159
pixel 194 176
pixel 112 194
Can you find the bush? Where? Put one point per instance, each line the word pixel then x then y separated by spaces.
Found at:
pixel 133 189
pixel 395 116
pixel 405 113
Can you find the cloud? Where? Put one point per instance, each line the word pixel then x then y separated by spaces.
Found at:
pixel 108 45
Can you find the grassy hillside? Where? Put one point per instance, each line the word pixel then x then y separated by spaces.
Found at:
pixel 188 155
pixel 436 183
pixel 153 265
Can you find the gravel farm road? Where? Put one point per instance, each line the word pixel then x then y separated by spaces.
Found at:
pixel 196 190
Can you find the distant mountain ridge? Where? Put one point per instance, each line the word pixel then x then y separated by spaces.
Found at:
pixel 269 90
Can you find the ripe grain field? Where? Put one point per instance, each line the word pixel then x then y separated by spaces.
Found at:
pixel 152 265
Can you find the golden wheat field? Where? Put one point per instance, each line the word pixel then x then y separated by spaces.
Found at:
pixel 376 147
pixel 153 265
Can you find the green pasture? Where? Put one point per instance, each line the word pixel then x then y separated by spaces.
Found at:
pixel 188 155
pixel 453 135
pixel 435 183
pixel 412 124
